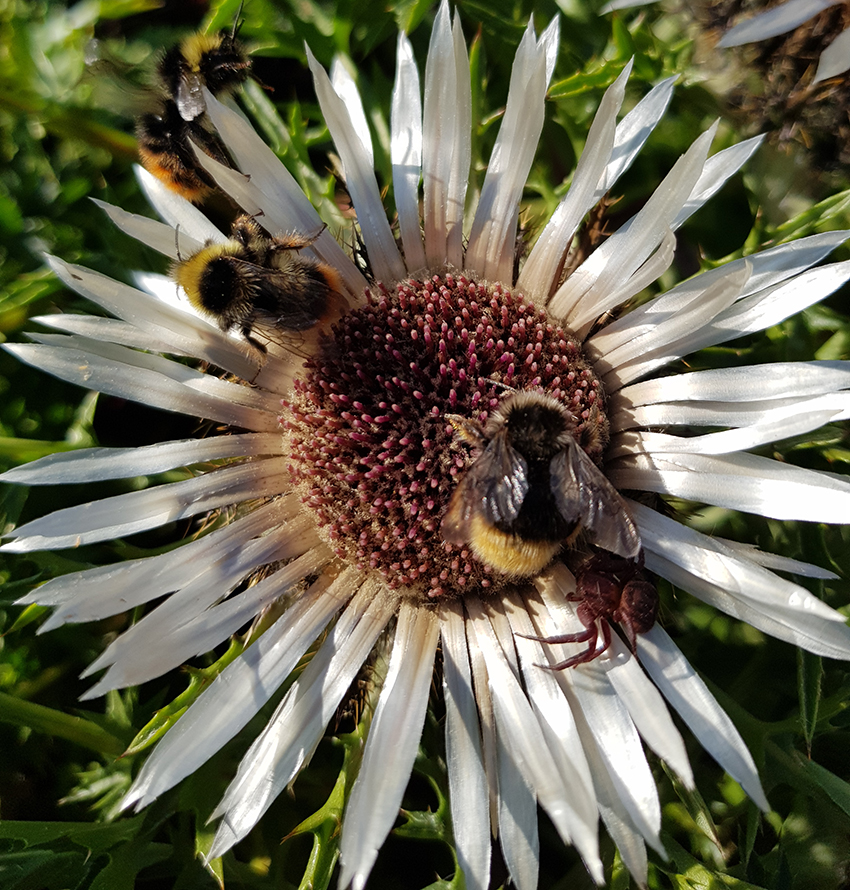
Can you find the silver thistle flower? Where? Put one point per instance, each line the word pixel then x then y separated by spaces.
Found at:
pixel 342 470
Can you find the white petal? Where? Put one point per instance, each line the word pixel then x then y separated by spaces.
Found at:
pixel 584 296
pixel 681 686
pixel 108 329
pixel 137 511
pixel 96 464
pixel 775 380
pixel 747 315
pixel 622 4
pixel 490 252
pixel 517 803
pixel 711 559
pixel 770 267
pixel 633 131
pixel 718 169
pixel 835 59
pixel 392 744
pixel 168 241
pixel 743 482
pixel 446 150
pixel 179 213
pixel 131 376
pixel 162 322
pixel 287 743
pixel 525 742
pixel 666 336
pixel 780 563
pixel 240 690
pixel 773 427
pixel 544 263
pixel 406 153
pixel 772 22
pixel 464 757
pixel 152 647
pixel 97 593
pixel 345 87
pixel 647 709
pixel 360 180
pixel 270 189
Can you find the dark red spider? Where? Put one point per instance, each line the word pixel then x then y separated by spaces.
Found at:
pixel 608 589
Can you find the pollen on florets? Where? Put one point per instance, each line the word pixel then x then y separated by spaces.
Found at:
pixel 371 451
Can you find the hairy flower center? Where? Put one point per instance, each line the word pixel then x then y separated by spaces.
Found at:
pixel 372 453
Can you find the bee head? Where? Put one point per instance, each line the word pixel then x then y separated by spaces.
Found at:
pixel 537 424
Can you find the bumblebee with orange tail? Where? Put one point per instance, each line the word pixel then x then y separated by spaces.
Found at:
pixel 255 281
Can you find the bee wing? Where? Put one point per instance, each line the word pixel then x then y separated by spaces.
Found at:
pixel 583 495
pixel 282 301
pixel 190 98
pixel 494 488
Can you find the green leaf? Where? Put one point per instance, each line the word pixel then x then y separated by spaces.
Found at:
pixel 809 678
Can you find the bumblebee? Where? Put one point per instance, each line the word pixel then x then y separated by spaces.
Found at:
pixel 531 488
pixel 165 136
pixel 253 280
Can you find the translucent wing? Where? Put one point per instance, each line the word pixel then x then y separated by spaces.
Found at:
pixel 583 495
pixel 493 488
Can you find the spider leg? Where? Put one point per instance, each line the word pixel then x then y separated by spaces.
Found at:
pixel 591 635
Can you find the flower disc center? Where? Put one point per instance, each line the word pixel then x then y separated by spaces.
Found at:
pixel 372 453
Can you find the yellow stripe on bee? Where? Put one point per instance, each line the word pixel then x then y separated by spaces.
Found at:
pixel 194 48
pixel 509 554
pixel 188 273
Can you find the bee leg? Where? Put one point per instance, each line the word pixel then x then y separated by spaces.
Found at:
pixel 260 347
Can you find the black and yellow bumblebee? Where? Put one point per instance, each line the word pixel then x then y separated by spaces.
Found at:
pixel 531 488
pixel 165 136
pixel 256 281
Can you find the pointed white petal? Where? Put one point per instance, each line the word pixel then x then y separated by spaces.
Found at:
pixel 96 464
pixel 681 686
pixel 794 420
pixel 772 22
pixel 464 756
pixel 157 648
pixel 163 322
pixel 131 376
pixel 665 336
pixel 633 131
pixel 179 213
pixel 137 511
pixel 345 87
pixel 780 563
pixel 769 268
pixel 646 707
pixel 392 744
pixel 360 180
pixel 743 482
pixel 584 296
pixel 287 743
pixel 835 59
pixel 519 729
pixel 622 4
pixel 168 241
pixel 406 153
pixel 543 265
pixel 516 804
pixel 446 149
pixel 270 189
pixel 775 380
pixel 492 240
pixel 718 169
pixel 240 690
pixel 109 330
pixel 97 593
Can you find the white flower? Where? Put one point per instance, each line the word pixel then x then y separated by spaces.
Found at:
pixel 516 734
pixel 772 22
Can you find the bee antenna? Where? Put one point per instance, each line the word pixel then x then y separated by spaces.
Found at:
pixel 237 24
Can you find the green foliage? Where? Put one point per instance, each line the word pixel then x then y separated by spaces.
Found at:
pixel 65 136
